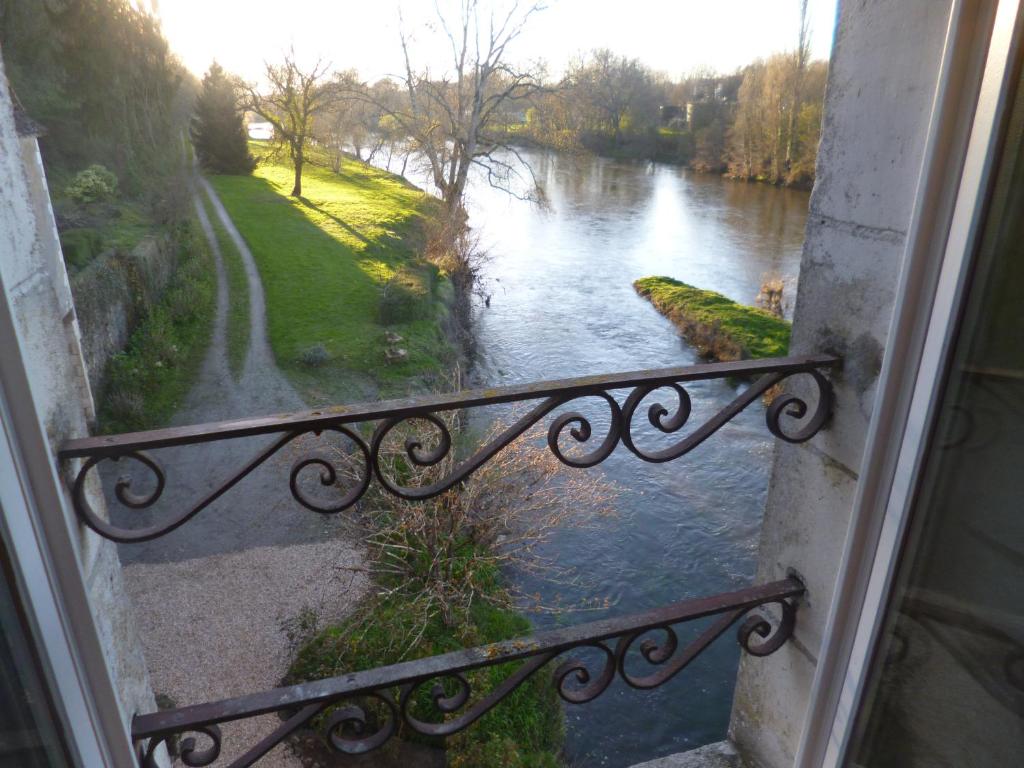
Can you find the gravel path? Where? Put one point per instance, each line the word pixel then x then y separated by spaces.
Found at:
pixel 212 598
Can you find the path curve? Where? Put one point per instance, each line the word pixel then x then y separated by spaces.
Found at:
pixel 215 598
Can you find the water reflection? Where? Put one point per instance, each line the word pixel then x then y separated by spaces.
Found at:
pixel 563 305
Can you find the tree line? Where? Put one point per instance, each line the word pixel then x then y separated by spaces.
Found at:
pixel 99 77
pixel 762 122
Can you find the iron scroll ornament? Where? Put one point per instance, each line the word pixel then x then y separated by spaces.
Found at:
pixel 359 712
pixel 571 428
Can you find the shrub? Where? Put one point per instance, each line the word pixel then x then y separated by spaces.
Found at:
pixel 126 405
pixel 407 296
pixel 438 570
pixel 94 184
pixel 314 356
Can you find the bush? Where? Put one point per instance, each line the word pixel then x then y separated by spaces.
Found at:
pixel 314 356
pixel 438 569
pixel 525 729
pixel 94 184
pixel 80 246
pixel 407 296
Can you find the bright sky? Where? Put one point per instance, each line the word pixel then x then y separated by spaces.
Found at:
pixel 672 36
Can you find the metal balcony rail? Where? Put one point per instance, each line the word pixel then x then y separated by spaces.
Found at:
pixel 362 710
pixel 359 712
pixel 387 415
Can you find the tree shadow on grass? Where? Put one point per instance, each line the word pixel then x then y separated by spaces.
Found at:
pixel 388 246
pixel 307 203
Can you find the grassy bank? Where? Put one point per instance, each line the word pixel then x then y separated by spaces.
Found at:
pixel 147 382
pixel 238 325
pixel 340 267
pixel 717 326
pixel 525 730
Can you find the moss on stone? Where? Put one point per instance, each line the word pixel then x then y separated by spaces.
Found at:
pixel 716 325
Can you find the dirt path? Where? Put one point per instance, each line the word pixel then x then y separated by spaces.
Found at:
pixel 214 597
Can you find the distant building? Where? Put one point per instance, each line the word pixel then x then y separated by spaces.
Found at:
pixel 261 131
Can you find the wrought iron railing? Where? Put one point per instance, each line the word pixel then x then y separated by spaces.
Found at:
pixel 347 726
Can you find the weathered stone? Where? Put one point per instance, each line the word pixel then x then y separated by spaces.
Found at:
pixel 34 276
pixel 112 295
pixel 719 755
pixel 877 108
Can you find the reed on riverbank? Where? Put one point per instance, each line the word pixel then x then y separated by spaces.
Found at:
pixel 717 326
pixel 440 570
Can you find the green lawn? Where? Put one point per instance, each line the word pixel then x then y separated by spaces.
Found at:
pixel 340 266
pixel 238 294
pixel 718 326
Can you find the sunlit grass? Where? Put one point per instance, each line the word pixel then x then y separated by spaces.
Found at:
pixel 324 260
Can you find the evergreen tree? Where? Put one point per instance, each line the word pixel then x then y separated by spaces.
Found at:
pixel 218 134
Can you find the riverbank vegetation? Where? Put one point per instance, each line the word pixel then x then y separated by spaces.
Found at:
pixel 761 123
pixel 342 267
pixel 717 326
pixel 147 382
pixel 438 571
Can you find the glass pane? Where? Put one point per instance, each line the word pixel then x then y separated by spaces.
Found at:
pixel 947 686
pixel 29 737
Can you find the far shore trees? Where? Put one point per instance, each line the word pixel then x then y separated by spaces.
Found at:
pixel 296 96
pixel 774 138
pixel 218 133
pixel 613 93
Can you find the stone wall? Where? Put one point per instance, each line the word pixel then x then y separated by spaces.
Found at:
pixel 113 293
pixel 37 285
pixel 881 86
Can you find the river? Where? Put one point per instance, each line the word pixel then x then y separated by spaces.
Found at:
pixel 562 305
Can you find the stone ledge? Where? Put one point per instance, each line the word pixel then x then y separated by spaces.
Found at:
pixel 721 754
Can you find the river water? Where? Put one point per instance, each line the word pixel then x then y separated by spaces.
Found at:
pixel 562 305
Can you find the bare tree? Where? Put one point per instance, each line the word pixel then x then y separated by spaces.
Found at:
pixel 296 96
pixel 449 117
pixel 341 123
pixel 613 88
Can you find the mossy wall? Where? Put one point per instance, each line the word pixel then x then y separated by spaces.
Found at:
pixel 113 293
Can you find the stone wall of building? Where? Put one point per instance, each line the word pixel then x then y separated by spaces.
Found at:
pixel 37 284
pixel 882 80
pixel 113 293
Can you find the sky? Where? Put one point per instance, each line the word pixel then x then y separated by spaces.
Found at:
pixel 670 36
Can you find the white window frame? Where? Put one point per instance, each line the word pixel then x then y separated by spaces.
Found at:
pixel 982 46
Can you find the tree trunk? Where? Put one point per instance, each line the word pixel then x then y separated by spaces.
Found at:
pixel 298 160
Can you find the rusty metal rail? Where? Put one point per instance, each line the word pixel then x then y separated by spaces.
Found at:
pixel 567 428
pixel 361 711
